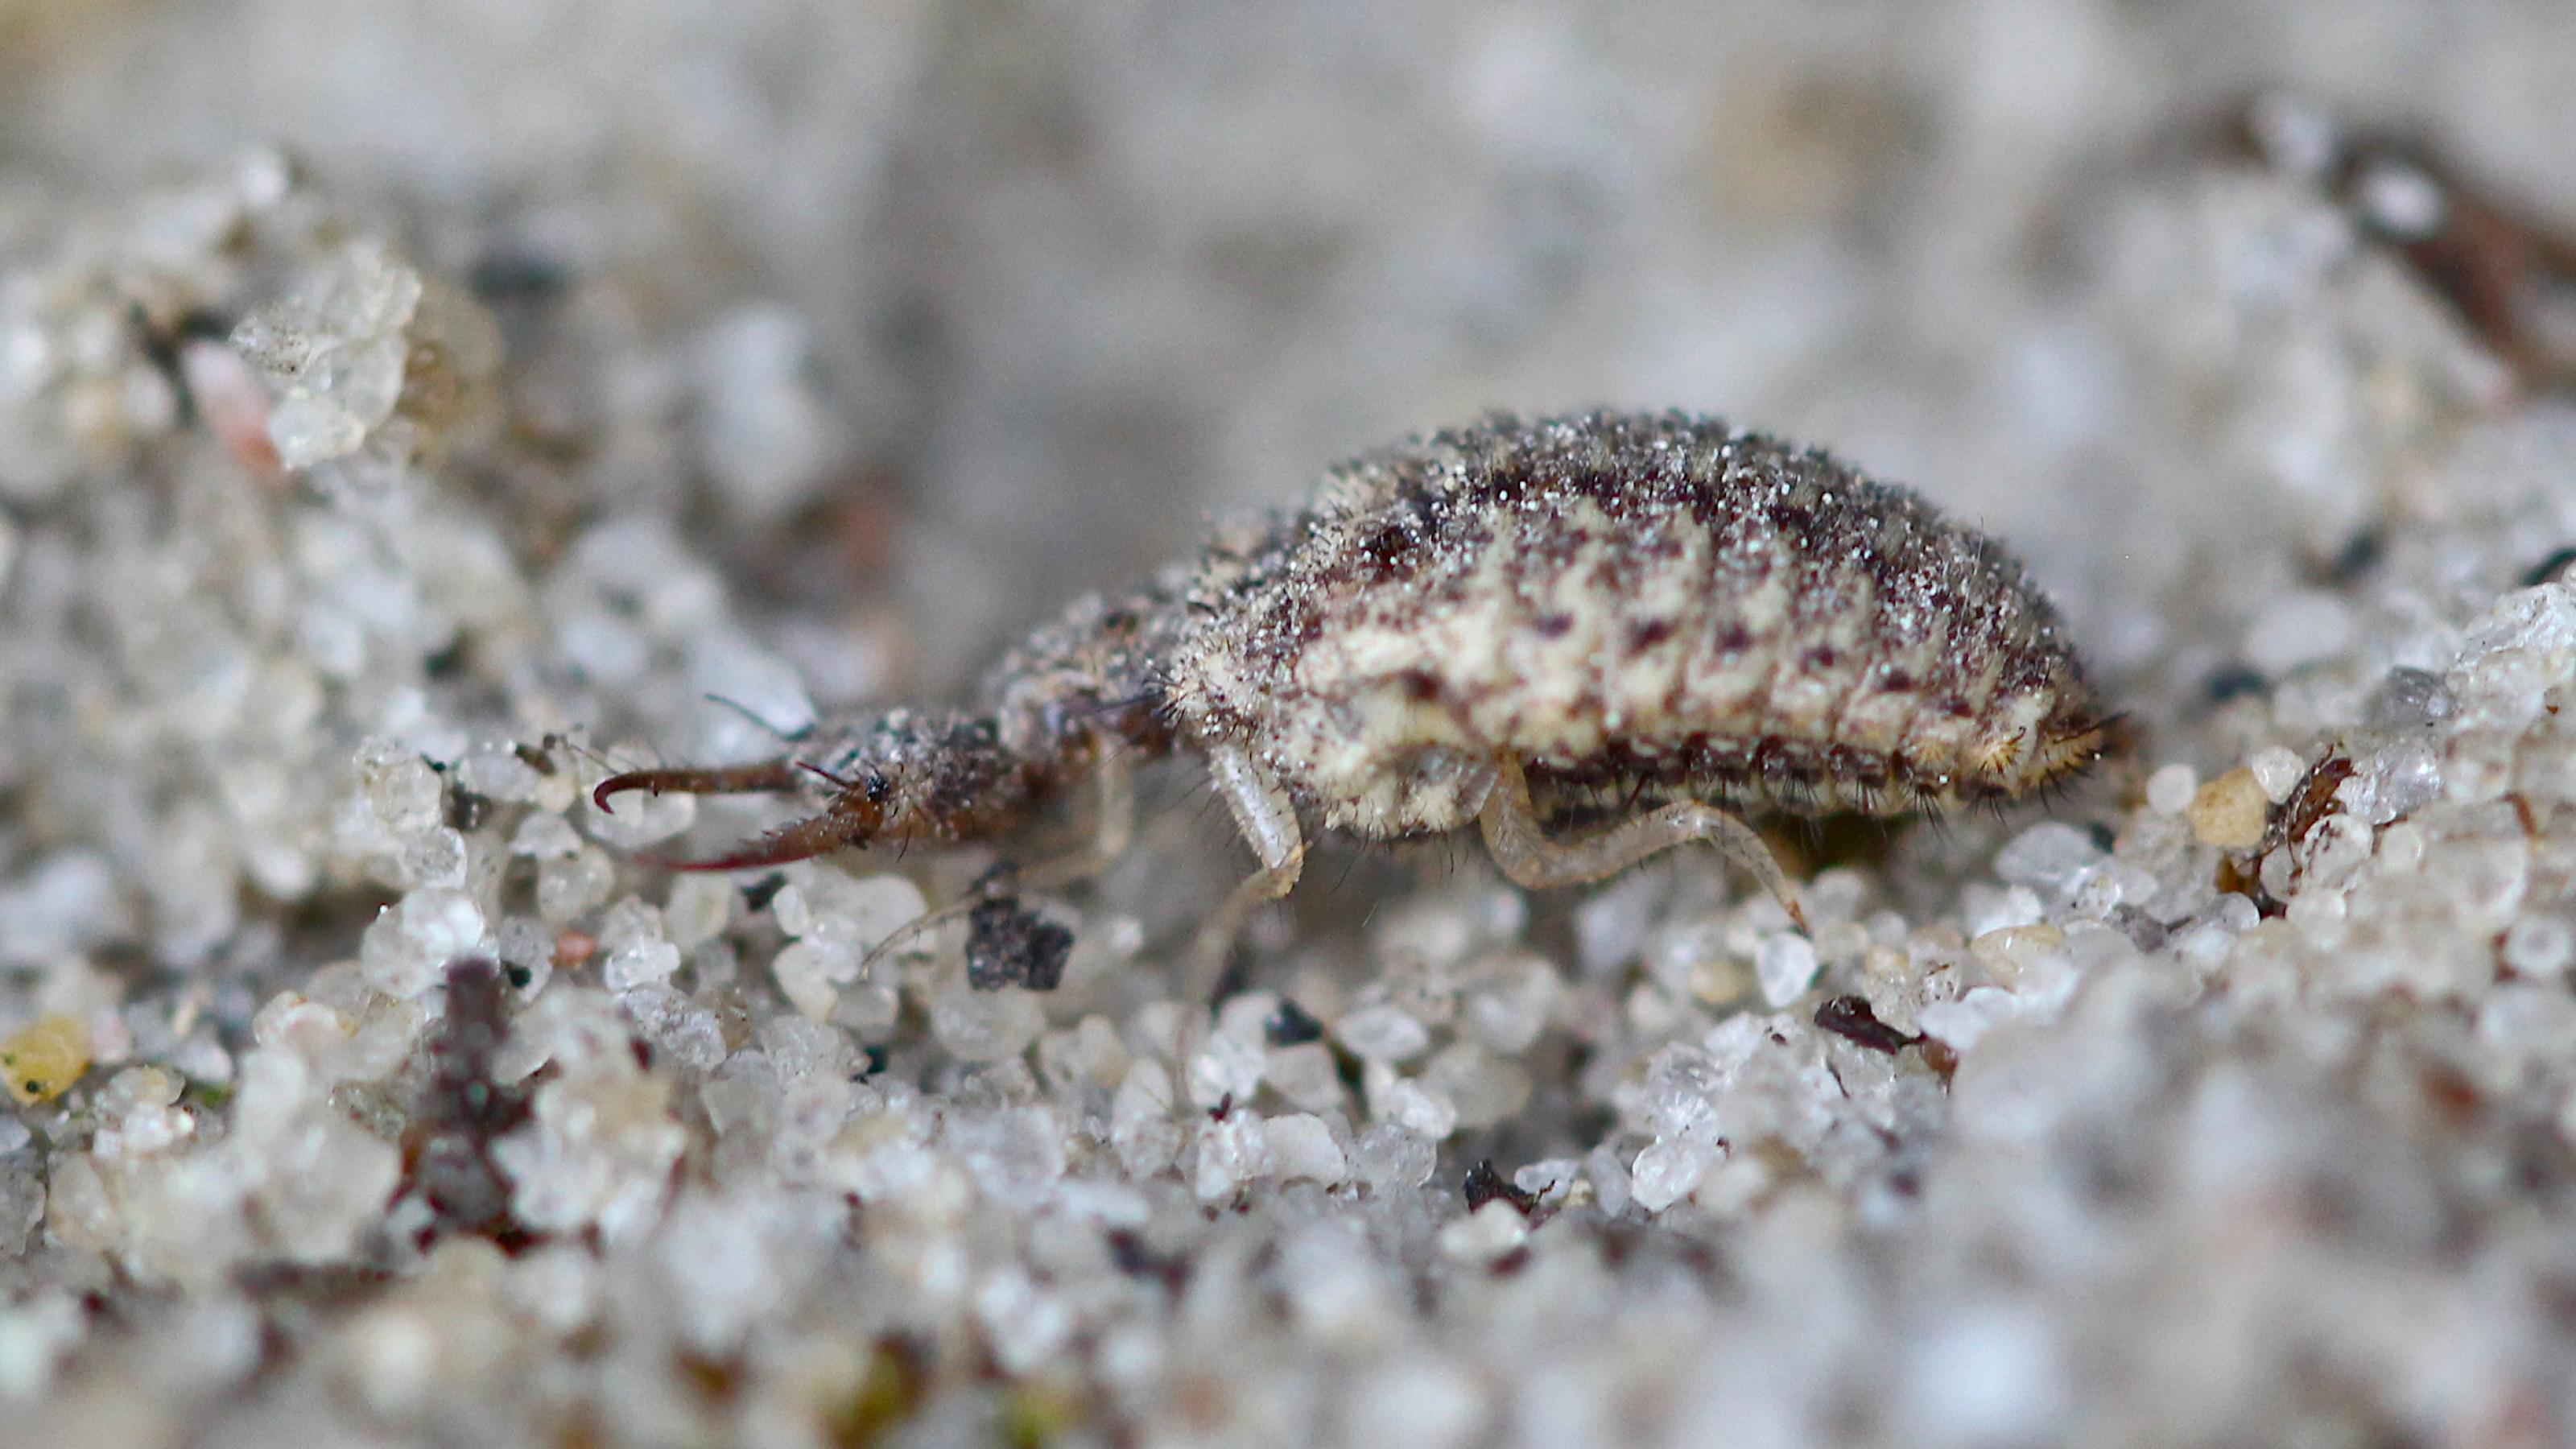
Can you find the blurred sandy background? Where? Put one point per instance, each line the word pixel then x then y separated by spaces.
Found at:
pixel 1074 276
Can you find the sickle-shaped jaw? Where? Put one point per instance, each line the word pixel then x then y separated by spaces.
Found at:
pixel 851 819
pixel 816 835
pixel 768 777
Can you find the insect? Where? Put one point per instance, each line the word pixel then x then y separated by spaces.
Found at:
pixel 1592 637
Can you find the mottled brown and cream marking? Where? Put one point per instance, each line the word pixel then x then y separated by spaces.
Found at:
pixel 1500 624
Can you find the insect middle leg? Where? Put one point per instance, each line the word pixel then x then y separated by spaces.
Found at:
pixel 1268 820
pixel 1113 824
pixel 1535 861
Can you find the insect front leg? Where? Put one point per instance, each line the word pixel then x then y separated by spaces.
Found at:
pixel 1113 823
pixel 1534 861
pixel 1268 820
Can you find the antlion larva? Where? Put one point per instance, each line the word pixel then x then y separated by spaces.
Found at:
pixel 1505 624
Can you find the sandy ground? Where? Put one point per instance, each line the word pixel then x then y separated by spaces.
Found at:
pixel 409 414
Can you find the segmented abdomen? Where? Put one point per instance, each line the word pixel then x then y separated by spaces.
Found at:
pixel 1634 602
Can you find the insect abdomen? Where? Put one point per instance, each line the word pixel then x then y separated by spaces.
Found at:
pixel 1644 601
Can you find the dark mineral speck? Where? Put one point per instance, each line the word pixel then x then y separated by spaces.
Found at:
pixel 1290 1025
pixel 760 891
pixel 1484 1185
pixel 1007 944
pixel 466 811
pixel 1851 1018
pixel 2233 681
pixel 2549 567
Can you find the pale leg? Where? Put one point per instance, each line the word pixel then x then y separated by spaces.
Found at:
pixel 1535 862
pixel 1268 820
pixel 1113 825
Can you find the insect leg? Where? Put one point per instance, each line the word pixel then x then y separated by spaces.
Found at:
pixel 1113 823
pixel 1524 851
pixel 1268 820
